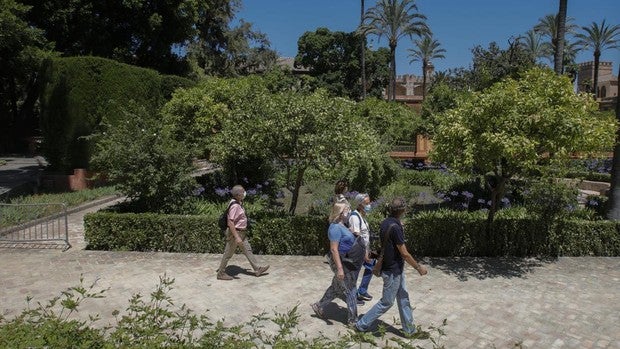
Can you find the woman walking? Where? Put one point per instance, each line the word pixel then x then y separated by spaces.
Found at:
pixel 346 256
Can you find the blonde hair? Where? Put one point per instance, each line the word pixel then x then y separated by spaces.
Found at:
pixel 337 210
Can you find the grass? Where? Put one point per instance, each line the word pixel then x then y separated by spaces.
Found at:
pixel 13 215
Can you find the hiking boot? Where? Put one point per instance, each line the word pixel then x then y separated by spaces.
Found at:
pixel 261 270
pixel 364 297
pixel 224 276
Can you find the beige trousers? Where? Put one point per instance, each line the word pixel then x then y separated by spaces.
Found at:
pixel 231 247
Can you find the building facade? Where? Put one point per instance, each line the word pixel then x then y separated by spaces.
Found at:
pixel 607 88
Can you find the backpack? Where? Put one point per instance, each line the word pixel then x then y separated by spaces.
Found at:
pixel 222 222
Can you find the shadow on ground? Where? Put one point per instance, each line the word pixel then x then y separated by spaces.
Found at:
pixel 481 268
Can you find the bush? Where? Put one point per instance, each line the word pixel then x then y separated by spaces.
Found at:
pixel 438 233
pixel 145 163
pixel 77 92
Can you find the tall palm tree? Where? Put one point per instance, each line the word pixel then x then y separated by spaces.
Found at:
pixel 394 19
pixel 598 38
pixel 363 55
pixel 533 44
pixel 558 51
pixel 426 50
pixel 548 27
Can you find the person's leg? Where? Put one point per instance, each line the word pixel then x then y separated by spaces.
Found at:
pixel 363 289
pixel 350 294
pixel 229 250
pixel 390 288
pixel 247 251
pixel 404 307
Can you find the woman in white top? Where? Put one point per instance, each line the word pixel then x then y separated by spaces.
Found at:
pixel 359 226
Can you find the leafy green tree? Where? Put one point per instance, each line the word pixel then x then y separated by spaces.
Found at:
pixel 425 51
pixel 145 162
pixel 22 49
pixel 518 127
pixel 299 132
pixel 333 59
pixel 394 19
pixel 599 38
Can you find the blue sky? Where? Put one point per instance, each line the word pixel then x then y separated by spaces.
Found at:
pixel 457 25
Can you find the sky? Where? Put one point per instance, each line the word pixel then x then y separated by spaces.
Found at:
pixel 457 25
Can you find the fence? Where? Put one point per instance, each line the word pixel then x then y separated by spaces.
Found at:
pixel 34 225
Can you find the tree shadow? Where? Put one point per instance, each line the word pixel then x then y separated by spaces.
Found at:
pixel 482 268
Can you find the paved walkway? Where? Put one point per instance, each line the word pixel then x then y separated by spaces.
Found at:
pixel 488 302
pixel 20 172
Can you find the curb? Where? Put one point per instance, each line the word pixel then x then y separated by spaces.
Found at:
pixel 93 203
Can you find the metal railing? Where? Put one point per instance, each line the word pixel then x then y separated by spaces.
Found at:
pixel 37 225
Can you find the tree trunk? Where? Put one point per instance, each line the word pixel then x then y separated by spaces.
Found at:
pixel 613 194
pixel 558 54
pixel 295 198
pixel 392 72
pixel 363 55
pixel 424 66
pixel 597 56
pixel 497 185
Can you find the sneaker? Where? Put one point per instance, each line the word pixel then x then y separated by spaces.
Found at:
pixel 360 302
pixel 318 311
pixel 224 276
pixel 364 297
pixel 261 270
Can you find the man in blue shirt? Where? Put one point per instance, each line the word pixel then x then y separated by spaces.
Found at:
pixel 395 255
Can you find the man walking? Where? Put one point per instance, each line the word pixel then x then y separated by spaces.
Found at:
pixel 392 272
pixel 236 235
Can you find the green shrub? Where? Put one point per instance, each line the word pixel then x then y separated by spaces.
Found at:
pixel 77 92
pixel 433 233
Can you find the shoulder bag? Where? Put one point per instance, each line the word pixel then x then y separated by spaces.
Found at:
pixel 376 270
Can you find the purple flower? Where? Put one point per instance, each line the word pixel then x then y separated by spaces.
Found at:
pixel 251 192
pixel 465 205
pixel 258 186
pixel 280 194
pixel 593 203
pixel 221 192
pixel 467 194
pixel 481 201
pixel 198 191
pixel 454 193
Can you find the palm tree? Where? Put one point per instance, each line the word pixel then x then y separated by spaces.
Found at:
pixel 533 44
pixel 548 26
pixel 426 50
pixel 363 55
pixel 394 19
pixel 558 51
pixel 599 38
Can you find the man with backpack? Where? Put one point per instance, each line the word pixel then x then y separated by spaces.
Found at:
pixel 236 235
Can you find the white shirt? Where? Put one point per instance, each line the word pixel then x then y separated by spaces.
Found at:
pixel 359 226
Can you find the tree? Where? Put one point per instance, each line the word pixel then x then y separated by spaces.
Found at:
pixel 558 52
pixel 300 132
pixel 363 53
pixel 426 50
pixel 613 212
pixel 394 19
pixel 22 49
pixel 598 38
pixel 548 27
pixel 519 127
pixel 533 44
pixel 332 58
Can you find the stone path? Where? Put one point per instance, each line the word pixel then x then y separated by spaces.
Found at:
pixel 488 302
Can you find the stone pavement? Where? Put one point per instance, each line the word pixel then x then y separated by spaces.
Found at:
pixel 488 302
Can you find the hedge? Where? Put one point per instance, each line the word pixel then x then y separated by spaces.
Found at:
pixel 77 92
pixel 441 233
pixel 293 235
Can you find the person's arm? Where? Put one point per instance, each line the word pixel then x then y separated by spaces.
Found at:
pixel 402 249
pixel 333 246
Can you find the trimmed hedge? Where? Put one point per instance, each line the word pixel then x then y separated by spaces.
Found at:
pixel 296 235
pixel 77 92
pixel 440 233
